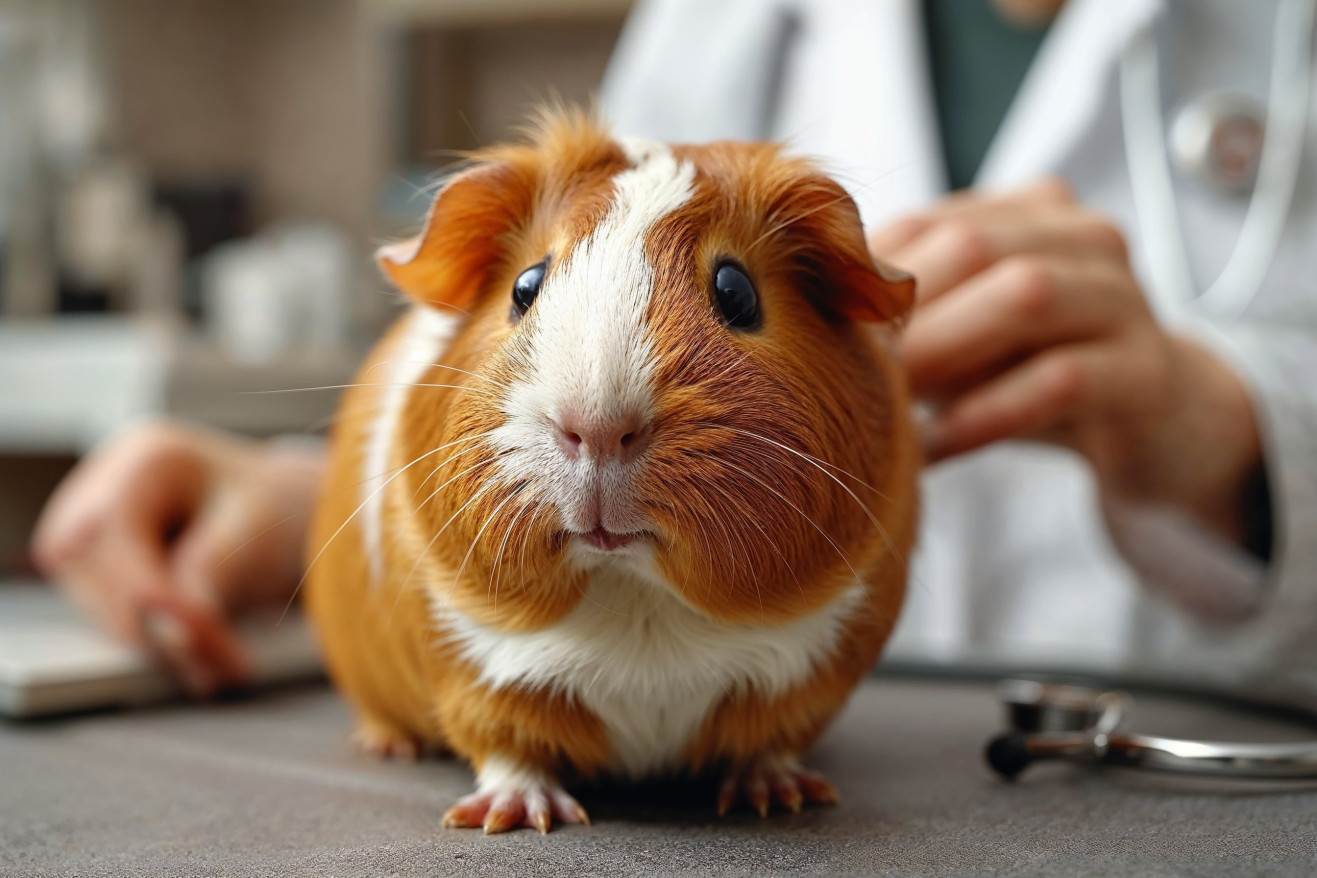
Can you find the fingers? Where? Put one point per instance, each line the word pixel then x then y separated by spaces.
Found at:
pixel 1022 297
pixel 1016 308
pixel 968 232
pixel 104 531
pixel 972 204
pixel 107 537
pixel 106 585
pixel 951 252
pixel 197 642
pixel 1025 401
pixel 211 567
pixel 212 559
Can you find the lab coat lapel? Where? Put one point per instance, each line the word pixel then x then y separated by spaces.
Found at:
pixel 863 102
pixel 1063 91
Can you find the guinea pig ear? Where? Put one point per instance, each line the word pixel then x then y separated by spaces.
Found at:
pixel 872 291
pixel 448 264
pixel 829 243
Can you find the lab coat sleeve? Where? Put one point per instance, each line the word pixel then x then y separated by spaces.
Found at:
pixel 1269 610
pixel 1278 361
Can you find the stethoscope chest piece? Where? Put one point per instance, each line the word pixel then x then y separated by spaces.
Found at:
pixel 1050 721
pixel 1216 140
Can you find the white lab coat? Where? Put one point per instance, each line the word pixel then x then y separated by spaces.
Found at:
pixel 1016 567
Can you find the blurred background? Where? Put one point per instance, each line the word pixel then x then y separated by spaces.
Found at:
pixel 190 191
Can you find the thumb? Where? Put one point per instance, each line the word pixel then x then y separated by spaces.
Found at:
pixel 206 583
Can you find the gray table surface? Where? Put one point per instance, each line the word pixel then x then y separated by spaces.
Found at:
pixel 270 786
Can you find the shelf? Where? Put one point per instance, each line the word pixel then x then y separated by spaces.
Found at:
pixel 66 384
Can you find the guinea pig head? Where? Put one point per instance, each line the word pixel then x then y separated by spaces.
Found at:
pixel 667 366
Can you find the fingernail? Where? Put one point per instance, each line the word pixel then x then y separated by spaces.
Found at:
pixel 165 633
pixel 171 641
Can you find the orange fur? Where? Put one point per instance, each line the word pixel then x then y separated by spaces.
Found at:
pixel 774 453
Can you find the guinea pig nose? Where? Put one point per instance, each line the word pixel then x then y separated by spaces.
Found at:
pixel 602 438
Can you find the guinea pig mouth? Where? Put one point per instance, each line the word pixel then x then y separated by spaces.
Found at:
pixel 605 540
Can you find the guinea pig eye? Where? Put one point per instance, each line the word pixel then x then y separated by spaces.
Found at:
pixel 527 287
pixel 736 297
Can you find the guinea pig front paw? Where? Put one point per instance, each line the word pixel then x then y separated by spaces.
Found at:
pixel 507 797
pixel 371 738
pixel 775 781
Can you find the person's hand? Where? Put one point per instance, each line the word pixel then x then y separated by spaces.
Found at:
pixel 1030 324
pixel 166 532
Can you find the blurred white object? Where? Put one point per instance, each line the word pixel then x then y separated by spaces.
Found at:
pixel 52 119
pixel 54 661
pixel 287 289
pixel 104 208
pixel 66 384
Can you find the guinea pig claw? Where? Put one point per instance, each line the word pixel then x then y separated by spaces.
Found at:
pixel 756 792
pixel 499 810
pixel 784 783
pixel 787 792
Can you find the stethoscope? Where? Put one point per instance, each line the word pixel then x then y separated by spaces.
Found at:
pixel 1050 721
pixel 1231 144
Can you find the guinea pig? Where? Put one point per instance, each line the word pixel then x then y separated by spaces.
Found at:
pixel 630 488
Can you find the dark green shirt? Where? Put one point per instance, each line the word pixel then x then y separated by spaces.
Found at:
pixel 978 61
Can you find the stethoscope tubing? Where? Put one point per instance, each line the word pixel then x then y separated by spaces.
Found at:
pixel 1153 187
pixel 1289 761
pixel 1011 753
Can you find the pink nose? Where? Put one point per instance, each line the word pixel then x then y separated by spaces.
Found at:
pixel 608 438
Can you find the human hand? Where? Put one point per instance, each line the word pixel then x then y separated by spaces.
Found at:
pixel 166 532
pixel 1031 325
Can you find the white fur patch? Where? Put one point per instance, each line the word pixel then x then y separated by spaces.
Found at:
pixel 588 349
pixel 500 773
pixel 422 342
pixel 647 664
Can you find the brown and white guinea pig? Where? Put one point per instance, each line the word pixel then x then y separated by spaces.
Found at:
pixel 630 488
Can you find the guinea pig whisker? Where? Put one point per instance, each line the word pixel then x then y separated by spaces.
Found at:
pixel 496 569
pixel 804 454
pixel 287 518
pixel 878 525
pixel 484 378
pixel 355 512
pixel 477 465
pixel 819 465
pixel 749 516
pixel 749 570
pixel 461 387
pixel 530 529
pixel 488 521
pixel 466 439
pixel 795 219
pixel 801 512
pixel 418 507
pixel 430 545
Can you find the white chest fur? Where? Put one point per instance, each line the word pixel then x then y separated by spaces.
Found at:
pixel 650 667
